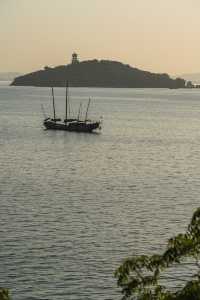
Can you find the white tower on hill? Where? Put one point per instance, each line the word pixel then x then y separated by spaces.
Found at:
pixel 75 58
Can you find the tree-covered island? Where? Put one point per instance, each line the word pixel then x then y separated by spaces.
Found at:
pixel 98 73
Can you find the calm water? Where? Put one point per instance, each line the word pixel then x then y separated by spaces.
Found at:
pixel 74 205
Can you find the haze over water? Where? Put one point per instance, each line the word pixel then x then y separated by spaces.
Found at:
pixel 158 36
pixel 74 205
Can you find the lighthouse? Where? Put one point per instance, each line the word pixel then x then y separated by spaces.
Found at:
pixel 75 58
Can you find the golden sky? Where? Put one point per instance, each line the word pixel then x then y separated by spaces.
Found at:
pixel 153 35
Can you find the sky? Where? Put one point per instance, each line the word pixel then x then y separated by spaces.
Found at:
pixel 154 35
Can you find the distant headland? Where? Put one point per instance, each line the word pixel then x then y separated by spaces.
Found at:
pixel 98 73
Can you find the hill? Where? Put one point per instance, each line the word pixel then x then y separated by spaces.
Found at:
pixel 94 73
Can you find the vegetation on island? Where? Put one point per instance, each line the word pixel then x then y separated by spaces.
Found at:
pixel 139 277
pixel 98 73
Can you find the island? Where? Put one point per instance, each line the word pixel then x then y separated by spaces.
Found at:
pixel 97 73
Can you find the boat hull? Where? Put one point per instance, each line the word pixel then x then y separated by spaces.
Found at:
pixel 72 126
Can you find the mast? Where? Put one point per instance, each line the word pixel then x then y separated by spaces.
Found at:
pixel 54 111
pixel 43 111
pixel 79 111
pixel 66 105
pixel 86 114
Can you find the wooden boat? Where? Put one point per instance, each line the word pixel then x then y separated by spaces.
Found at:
pixel 71 124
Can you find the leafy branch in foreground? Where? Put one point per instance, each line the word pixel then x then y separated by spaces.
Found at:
pixel 138 276
pixel 4 294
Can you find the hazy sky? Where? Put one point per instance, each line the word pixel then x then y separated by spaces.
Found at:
pixel 154 35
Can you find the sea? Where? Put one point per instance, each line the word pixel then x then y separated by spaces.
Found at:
pixel 73 205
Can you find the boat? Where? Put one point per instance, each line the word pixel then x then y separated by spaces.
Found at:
pixel 71 124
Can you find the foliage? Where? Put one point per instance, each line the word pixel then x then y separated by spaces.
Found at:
pixel 138 276
pixel 4 294
pixel 104 73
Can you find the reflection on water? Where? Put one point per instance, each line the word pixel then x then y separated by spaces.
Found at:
pixel 74 205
